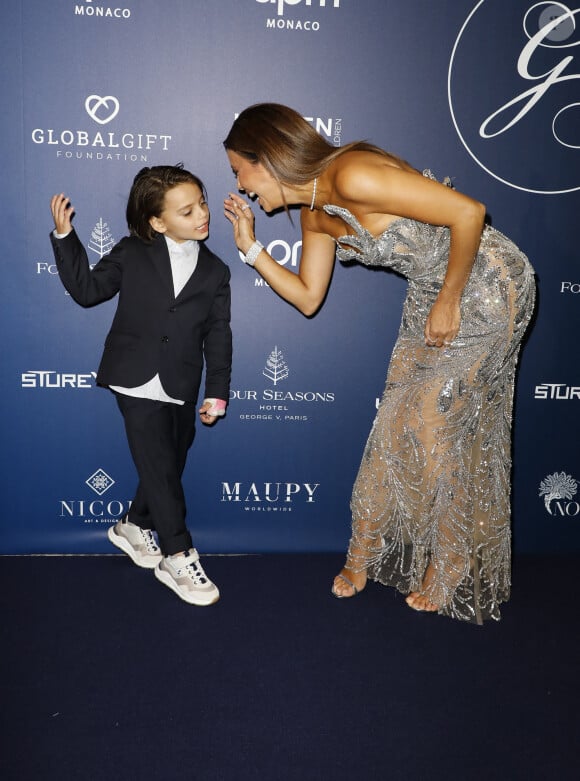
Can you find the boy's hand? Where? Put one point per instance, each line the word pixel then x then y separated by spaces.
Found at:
pixel 211 410
pixel 62 212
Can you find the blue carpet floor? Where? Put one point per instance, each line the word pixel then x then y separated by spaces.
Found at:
pixel 106 675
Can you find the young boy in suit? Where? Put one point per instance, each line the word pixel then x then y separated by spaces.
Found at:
pixel 173 313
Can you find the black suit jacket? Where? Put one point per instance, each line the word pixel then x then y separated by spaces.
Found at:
pixel 153 331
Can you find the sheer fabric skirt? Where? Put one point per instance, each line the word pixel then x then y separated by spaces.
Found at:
pixel 431 502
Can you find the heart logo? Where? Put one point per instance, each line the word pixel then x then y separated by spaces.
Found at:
pixel 95 102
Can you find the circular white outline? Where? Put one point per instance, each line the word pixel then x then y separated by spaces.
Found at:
pixel 556 136
pixel 479 163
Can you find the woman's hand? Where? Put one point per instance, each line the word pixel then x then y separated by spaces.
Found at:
pixel 62 212
pixel 240 214
pixel 443 322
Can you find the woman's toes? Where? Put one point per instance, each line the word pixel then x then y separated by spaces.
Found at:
pixel 342 588
pixel 421 603
pixel 348 584
pixel 337 585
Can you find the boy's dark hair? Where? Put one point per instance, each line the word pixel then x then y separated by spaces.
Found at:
pixel 147 196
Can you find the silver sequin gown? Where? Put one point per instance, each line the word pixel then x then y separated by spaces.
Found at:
pixel 434 483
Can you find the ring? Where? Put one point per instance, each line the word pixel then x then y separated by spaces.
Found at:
pixel 447 344
pixel 247 206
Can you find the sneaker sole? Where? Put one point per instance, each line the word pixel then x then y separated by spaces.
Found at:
pixel 122 544
pixel 191 599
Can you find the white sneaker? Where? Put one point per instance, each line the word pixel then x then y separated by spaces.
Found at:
pixel 136 542
pixel 185 576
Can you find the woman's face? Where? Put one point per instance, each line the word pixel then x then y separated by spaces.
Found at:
pixel 256 181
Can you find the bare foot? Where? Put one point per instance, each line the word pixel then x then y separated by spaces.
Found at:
pixel 421 603
pixel 348 583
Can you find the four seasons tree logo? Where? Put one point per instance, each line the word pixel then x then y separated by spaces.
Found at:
pixel 101 238
pixel 276 368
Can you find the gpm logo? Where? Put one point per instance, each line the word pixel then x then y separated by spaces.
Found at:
pixel 281 3
pixel 101 11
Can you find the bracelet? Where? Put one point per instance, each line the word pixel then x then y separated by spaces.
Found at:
pixel 253 252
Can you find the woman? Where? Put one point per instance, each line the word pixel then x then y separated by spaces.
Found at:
pixel 431 502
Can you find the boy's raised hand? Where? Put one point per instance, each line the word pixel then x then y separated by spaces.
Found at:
pixel 62 212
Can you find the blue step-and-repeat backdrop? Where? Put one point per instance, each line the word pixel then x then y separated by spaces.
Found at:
pixel 486 92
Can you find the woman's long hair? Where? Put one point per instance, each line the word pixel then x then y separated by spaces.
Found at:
pixel 283 142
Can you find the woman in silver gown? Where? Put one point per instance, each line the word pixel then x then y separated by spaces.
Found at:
pixel 431 502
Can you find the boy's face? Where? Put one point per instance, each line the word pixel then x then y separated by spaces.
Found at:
pixel 185 214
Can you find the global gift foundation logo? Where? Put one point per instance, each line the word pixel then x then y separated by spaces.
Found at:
pixel 558 491
pixel 519 121
pixel 109 145
pixel 102 110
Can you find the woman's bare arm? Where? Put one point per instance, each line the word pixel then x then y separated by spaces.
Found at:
pixel 306 289
pixel 379 193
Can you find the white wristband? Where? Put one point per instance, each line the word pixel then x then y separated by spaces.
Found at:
pixel 253 252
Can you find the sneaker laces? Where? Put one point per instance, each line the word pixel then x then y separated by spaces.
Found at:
pixel 149 540
pixel 191 569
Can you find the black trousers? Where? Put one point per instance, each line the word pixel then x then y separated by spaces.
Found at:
pixel 159 435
